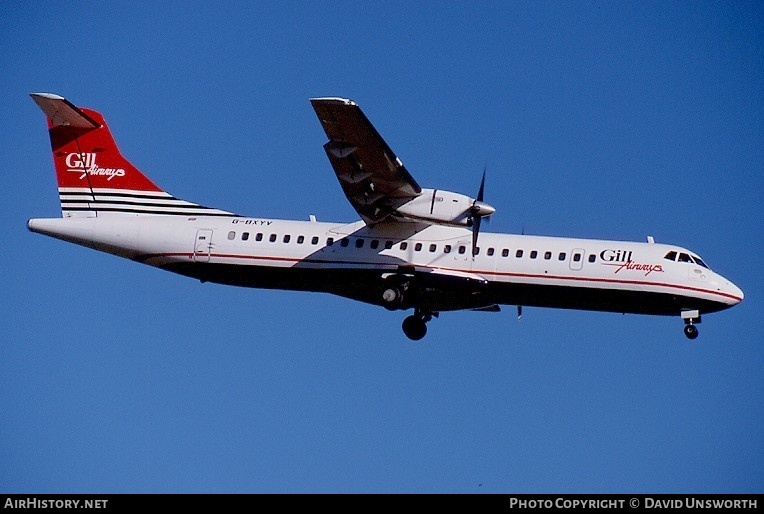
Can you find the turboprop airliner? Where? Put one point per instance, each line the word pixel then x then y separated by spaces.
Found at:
pixel 413 249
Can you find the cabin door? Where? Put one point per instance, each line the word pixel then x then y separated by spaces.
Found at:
pixel 203 245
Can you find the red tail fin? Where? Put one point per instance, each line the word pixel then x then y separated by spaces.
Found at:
pixel 93 177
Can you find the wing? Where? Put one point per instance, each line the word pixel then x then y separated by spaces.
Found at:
pixel 374 180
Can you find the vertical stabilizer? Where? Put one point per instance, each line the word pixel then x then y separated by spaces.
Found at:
pixel 94 179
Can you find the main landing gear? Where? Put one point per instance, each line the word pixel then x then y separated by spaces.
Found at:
pixel 690 318
pixel 415 326
pixel 400 293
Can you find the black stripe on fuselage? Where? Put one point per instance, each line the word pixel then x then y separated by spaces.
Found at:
pixel 203 211
pixel 142 204
pixel 141 196
pixel 136 204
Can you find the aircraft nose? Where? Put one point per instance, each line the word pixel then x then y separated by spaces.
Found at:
pixel 734 292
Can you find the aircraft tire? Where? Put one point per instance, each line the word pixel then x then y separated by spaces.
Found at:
pixel 414 327
pixel 691 331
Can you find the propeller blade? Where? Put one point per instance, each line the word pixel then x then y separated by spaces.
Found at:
pixel 475 231
pixel 478 210
pixel 482 188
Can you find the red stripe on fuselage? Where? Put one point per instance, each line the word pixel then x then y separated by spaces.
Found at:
pixel 190 255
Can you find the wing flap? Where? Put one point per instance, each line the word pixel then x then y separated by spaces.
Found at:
pixel 472 278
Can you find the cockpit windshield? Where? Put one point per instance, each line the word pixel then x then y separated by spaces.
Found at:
pixel 699 261
pixel 685 257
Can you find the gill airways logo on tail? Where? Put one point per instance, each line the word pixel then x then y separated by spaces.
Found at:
pixel 85 164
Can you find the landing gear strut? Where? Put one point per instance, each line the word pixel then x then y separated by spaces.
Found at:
pixel 415 326
pixel 690 318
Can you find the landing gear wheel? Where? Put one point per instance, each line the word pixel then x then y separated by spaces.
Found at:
pixel 691 331
pixel 414 327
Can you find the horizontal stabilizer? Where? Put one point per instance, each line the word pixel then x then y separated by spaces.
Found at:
pixel 61 111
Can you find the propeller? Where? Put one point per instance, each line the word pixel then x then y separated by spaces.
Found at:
pixel 477 212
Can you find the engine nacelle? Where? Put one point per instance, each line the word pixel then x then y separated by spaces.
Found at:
pixel 443 207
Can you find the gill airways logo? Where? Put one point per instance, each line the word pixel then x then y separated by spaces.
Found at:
pixel 621 259
pixel 85 164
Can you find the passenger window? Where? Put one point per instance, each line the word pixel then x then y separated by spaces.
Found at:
pixel 592 257
pixel 490 251
pixel 671 256
pixel 433 248
pixel 374 244
pixel 300 240
pixel 404 245
pixel 359 243
pixel 505 252
pixel 534 254
pixel 462 249
pixel 562 256
pixel 417 247
pixel 388 245
pixel 329 241
pixel 447 249
pixel 244 236
pixel 344 242
pixel 683 257
pixel 519 254
pixel 314 240
pixel 576 257
pixel 272 239
pixel 547 255
pixel 287 237
pixel 259 236
pixel 477 250
pixel 231 235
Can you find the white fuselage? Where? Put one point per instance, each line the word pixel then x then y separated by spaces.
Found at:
pixel 414 248
pixel 341 258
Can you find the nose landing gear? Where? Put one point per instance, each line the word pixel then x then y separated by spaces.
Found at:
pixel 690 318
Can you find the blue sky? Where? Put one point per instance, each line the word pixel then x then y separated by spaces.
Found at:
pixel 612 120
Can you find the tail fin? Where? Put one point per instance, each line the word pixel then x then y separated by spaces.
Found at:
pixel 94 179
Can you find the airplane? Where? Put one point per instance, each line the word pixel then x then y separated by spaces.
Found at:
pixel 412 248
